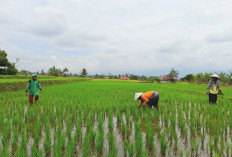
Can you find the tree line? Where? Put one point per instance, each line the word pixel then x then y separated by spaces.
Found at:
pixel 53 71
pixel 203 78
pixel 8 68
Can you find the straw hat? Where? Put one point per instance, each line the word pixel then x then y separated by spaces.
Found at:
pixel 214 75
pixel 137 95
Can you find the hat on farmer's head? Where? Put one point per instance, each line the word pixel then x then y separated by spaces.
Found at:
pixel 34 75
pixel 215 76
pixel 137 95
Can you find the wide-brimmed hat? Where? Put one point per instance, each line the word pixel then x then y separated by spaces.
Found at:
pixel 214 75
pixel 137 95
pixel 34 75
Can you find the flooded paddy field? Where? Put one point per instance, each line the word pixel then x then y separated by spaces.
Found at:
pixel 100 118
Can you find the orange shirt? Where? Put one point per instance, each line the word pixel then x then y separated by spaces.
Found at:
pixel 146 96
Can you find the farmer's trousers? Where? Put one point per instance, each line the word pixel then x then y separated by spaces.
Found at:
pixel 212 98
pixel 153 101
pixel 31 98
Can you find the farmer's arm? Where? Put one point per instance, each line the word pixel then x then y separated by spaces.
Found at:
pixel 28 87
pixel 141 103
pixel 38 85
pixel 219 89
pixel 209 85
pixel 145 104
pixel 146 99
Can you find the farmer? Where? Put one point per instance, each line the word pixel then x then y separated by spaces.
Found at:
pixel 150 98
pixel 213 89
pixel 32 87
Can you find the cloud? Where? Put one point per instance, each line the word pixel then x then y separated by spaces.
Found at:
pixel 220 37
pixel 143 37
pixel 47 22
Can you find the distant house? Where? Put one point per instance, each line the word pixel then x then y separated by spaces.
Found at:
pixel 124 78
pixel 167 79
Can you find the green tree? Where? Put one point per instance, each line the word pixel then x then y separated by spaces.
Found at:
pixel 6 68
pixel 207 77
pixel 230 76
pixel 42 72
pixel 54 72
pixel 84 72
pixel 199 78
pixel 173 75
pixel 190 78
pixel 65 70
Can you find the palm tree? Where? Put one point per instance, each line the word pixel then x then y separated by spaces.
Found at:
pixel 199 78
pixel 173 75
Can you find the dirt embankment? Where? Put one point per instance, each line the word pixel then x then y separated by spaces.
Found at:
pixel 14 86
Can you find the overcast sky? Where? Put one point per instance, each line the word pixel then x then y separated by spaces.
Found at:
pixel 118 36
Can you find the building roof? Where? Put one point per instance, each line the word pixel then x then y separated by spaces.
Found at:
pixel 166 78
pixel 124 78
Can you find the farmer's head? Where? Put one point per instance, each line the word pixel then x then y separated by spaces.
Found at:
pixel 34 76
pixel 138 96
pixel 214 77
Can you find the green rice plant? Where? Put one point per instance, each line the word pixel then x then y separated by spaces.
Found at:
pixel 227 149
pixel 166 119
pixel 128 117
pixel 131 149
pixel 192 125
pixel 202 139
pixel 88 124
pixel 112 148
pixel 163 143
pixel 128 132
pixel 119 117
pixel 125 147
pixel 86 146
pixel 110 121
pixel 175 138
pixel 66 107
pixel 22 147
pixel 99 144
pixel 60 145
pixel 6 134
pixel 211 147
pixel 92 135
pixel 216 139
pixel 47 141
pixel 35 151
pixel 138 140
pixel 187 153
pixel 69 127
pixel 72 145
pixel 100 135
pixel 222 147
pixel 14 139
pixel 149 134
pixel 158 128
pixel 181 153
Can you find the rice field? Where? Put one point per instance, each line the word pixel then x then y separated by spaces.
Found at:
pixel 100 118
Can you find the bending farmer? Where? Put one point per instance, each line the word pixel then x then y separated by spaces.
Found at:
pixel 32 87
pixel 150 98
pixel 213 88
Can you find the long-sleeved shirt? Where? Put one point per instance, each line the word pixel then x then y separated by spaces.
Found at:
pixel 146 96
pixel 213 87
pixel 33 86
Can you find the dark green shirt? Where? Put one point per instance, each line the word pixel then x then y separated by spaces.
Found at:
pixel 33 87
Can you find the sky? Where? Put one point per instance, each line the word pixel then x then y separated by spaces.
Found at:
pixel 145 37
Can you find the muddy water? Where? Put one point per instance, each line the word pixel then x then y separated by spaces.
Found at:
pixel 184 143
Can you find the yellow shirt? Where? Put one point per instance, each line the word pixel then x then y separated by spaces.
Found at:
pixel 214 90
